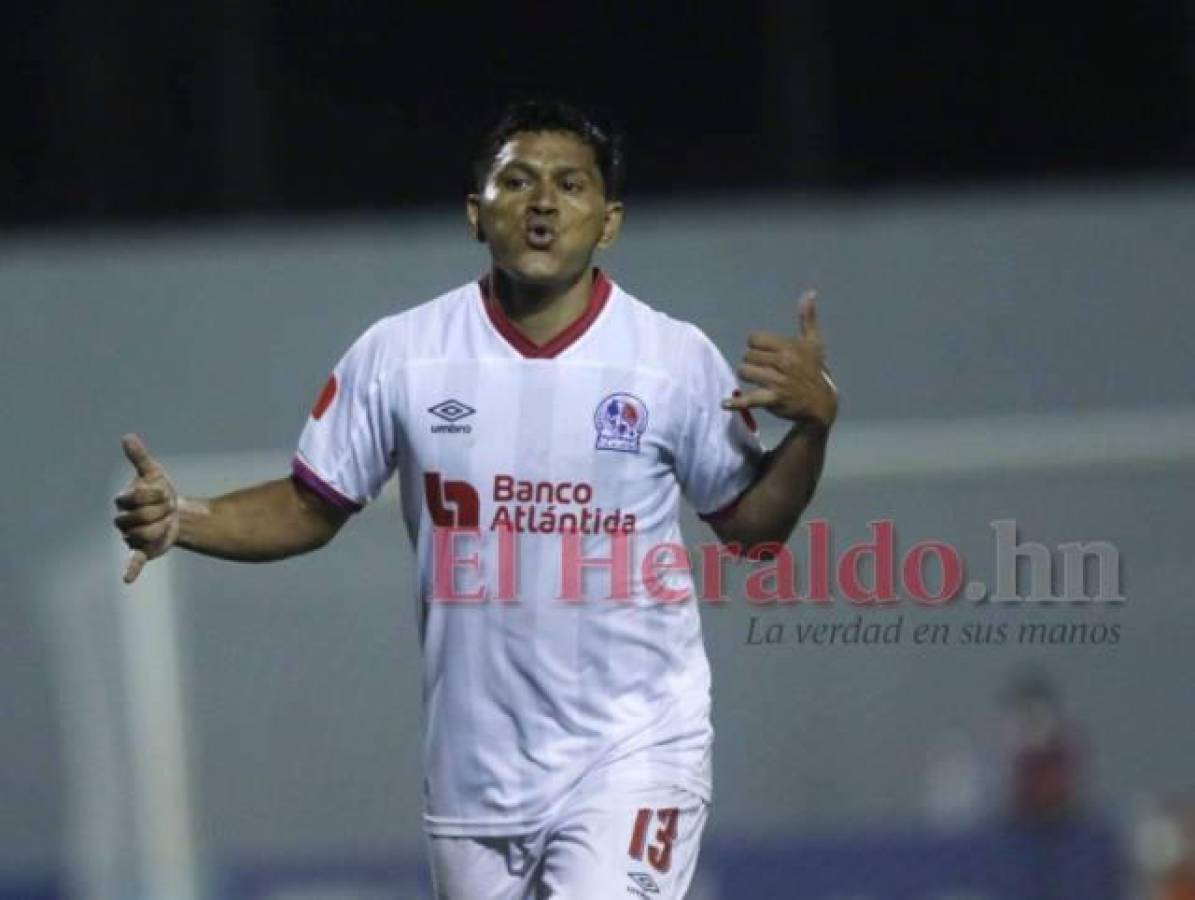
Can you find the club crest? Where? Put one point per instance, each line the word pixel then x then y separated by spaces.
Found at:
pixel 620 420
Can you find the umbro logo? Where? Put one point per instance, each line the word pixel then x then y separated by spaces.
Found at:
pixel 451 411
pixel 643 882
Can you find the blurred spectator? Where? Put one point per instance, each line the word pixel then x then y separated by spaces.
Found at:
pixel 1044 753
pixel 1165 849
pixel 954 796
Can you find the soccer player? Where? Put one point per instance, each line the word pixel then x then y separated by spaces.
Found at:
pixel 543 423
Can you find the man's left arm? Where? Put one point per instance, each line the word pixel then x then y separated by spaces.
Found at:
pixel 791 382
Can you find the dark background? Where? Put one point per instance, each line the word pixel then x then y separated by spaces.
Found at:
pixel 134 111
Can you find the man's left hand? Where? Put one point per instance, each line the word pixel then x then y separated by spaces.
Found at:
pixel 789 372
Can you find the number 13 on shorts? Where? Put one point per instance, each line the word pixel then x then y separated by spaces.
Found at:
pixel 658 853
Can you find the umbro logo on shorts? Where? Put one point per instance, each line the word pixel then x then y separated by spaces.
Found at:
pixel 451 411
pixel 644 882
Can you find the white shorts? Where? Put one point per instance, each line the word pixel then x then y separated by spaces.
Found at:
pixel 637 843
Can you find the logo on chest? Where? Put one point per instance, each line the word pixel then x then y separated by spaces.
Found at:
pixel 620 420
pixel 451 412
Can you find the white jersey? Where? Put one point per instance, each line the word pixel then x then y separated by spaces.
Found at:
pixel 538 681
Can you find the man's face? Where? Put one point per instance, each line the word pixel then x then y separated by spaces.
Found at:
pixel 543 208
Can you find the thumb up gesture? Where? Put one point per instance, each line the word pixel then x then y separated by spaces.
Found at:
pixel 148 518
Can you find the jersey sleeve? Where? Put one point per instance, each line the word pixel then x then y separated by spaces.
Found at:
pixel 347 448
pixel 719 452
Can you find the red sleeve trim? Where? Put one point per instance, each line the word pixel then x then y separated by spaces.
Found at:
pixel 303 474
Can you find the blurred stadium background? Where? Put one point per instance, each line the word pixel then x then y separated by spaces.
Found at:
pixel 204 203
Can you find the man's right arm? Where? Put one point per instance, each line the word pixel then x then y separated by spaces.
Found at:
pixel 265 522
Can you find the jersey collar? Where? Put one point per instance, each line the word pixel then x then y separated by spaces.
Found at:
pixel 523 344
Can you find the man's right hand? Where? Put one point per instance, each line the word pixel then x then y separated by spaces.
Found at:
pixel 149 519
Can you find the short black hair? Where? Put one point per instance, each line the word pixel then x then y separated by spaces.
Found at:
pixel 554 115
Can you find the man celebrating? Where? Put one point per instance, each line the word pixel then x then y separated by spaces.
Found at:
pixel 542 422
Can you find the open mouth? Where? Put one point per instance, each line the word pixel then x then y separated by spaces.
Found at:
pixel 540 235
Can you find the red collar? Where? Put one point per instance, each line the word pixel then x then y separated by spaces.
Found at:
pixel 566 338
